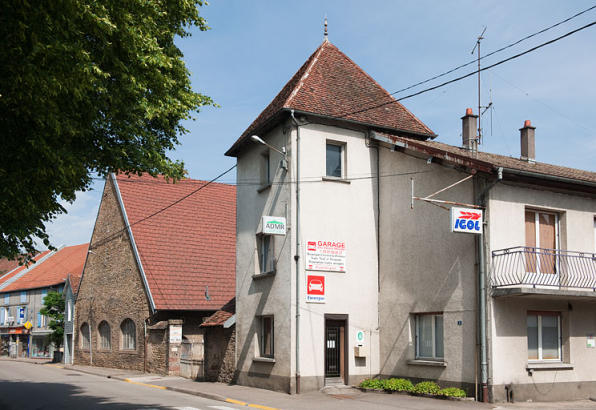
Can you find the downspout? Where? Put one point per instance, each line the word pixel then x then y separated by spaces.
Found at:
pixel 483 294
pixel 297 254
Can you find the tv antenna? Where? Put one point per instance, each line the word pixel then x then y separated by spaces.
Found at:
pixel 477 46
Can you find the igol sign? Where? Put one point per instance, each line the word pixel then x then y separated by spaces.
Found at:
pixel 274 225
pixel 466 220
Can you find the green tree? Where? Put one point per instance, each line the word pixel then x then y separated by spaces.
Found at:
pixel 86 87
pixel 54 309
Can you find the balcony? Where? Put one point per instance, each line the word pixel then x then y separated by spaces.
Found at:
pixel 526 271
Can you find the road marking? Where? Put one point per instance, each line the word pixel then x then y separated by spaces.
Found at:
pixel 221 407
pixel 55 365
pixel 237 402
pixel 145 384
pixel 262 407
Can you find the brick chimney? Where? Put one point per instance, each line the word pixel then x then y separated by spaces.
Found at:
pixel 528 147
pixel 469 127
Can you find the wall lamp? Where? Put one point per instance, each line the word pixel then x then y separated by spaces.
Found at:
pixel 284 164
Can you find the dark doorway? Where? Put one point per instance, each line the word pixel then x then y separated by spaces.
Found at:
pixel 335 350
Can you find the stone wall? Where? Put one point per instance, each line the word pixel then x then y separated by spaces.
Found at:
pixel 220 354
pixel 112 290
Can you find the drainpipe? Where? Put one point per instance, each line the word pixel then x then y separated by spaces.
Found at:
pixel 297 255
pixel 483 293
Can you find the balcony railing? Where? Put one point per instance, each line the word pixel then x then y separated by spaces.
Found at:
pixel 528 266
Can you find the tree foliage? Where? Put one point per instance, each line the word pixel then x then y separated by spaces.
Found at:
pixel 86 87
pixel 54 309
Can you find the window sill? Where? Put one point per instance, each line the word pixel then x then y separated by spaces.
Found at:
pixel 421 362
pixel 335 179
pixel 264 188
pixel 263 359
pixel 128 351
pixel 549 366
pixel 263 275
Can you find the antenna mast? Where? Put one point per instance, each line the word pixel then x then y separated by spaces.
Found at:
pixel 479 137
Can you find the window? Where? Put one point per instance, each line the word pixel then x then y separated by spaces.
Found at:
pixel 105 335
pixel 266 341
pixel 3 316
pixel 265 169
pixel 128 330
pixel 6 298
pixel 544 336
pixel 266 255
pixel 541 232
pixel 429 336
pixel 23 296
pixel 85 342
pixel 69 310
pixel 44 293
pixel 41 320
pixel 334 160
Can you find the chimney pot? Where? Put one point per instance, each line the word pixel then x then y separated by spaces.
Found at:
pixel 528 144
pixel 469 126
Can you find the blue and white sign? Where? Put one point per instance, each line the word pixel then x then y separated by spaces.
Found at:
pixel 466 220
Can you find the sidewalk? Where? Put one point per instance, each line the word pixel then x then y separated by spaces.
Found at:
pixel 329 398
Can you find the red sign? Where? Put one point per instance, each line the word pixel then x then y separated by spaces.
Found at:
pixel 315 289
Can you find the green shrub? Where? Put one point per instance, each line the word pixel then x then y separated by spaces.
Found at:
pixel 452 392
pixel 398 385
pixel 426 387
pixel 372 384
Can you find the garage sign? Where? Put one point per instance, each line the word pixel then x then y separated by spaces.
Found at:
pixel 315 289
pixel 326 256
pixel 466 220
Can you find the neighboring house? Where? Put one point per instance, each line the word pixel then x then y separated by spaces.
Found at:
pixel 161 260
pixel 71 287
pixel 220 337
pixel 387 290
pixel 25 331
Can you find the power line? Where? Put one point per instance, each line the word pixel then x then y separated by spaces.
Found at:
pixel 494 52
pixel 469 74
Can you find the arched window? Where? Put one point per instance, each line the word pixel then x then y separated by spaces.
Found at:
pixel 85 343
pixel 105 335
pixel 128 330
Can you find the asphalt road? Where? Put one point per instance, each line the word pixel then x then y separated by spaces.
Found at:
pixel 25 386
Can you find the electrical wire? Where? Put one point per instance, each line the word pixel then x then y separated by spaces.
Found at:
pixel 393 101
pixel 494 52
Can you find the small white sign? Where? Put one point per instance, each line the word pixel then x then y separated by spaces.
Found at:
pixel 360 338
pixel 274 225
pixel 591 340
pixel 466 220
pixel 326 256
pixel 175 333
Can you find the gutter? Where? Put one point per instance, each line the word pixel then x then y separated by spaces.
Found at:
pixel 531 174
pixel 133 243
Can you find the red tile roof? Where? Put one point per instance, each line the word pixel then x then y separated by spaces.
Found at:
pixel 189 246
pixel 486 161
pixel 53 270
pixel 332 85
pixel 220 317
pixel 10 275
pixel 7 265
pixel 75 281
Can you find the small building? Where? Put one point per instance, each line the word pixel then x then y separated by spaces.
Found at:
pixel 25 330
pixel 71 287
pixel 161 260
pixel 220 344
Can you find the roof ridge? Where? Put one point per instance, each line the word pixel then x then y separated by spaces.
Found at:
pixel 304 76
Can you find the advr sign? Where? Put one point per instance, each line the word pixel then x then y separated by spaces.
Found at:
pixel 466 220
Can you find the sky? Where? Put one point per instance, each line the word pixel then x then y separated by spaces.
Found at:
pixel 255 47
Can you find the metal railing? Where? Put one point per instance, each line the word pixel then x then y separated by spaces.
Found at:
pixel 529 266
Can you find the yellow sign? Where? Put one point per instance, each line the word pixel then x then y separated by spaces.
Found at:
pixel 28 325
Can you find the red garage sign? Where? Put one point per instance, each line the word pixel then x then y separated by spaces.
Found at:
pixel 315 289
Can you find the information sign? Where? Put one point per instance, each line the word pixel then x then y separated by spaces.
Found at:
pixel 326 256
pixel 315 289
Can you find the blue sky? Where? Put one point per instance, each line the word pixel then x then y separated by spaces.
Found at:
pixel 255 47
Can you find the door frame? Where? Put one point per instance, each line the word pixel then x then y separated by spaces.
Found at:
pixel 344 372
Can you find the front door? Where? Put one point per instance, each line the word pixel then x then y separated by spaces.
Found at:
pixel 335 349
